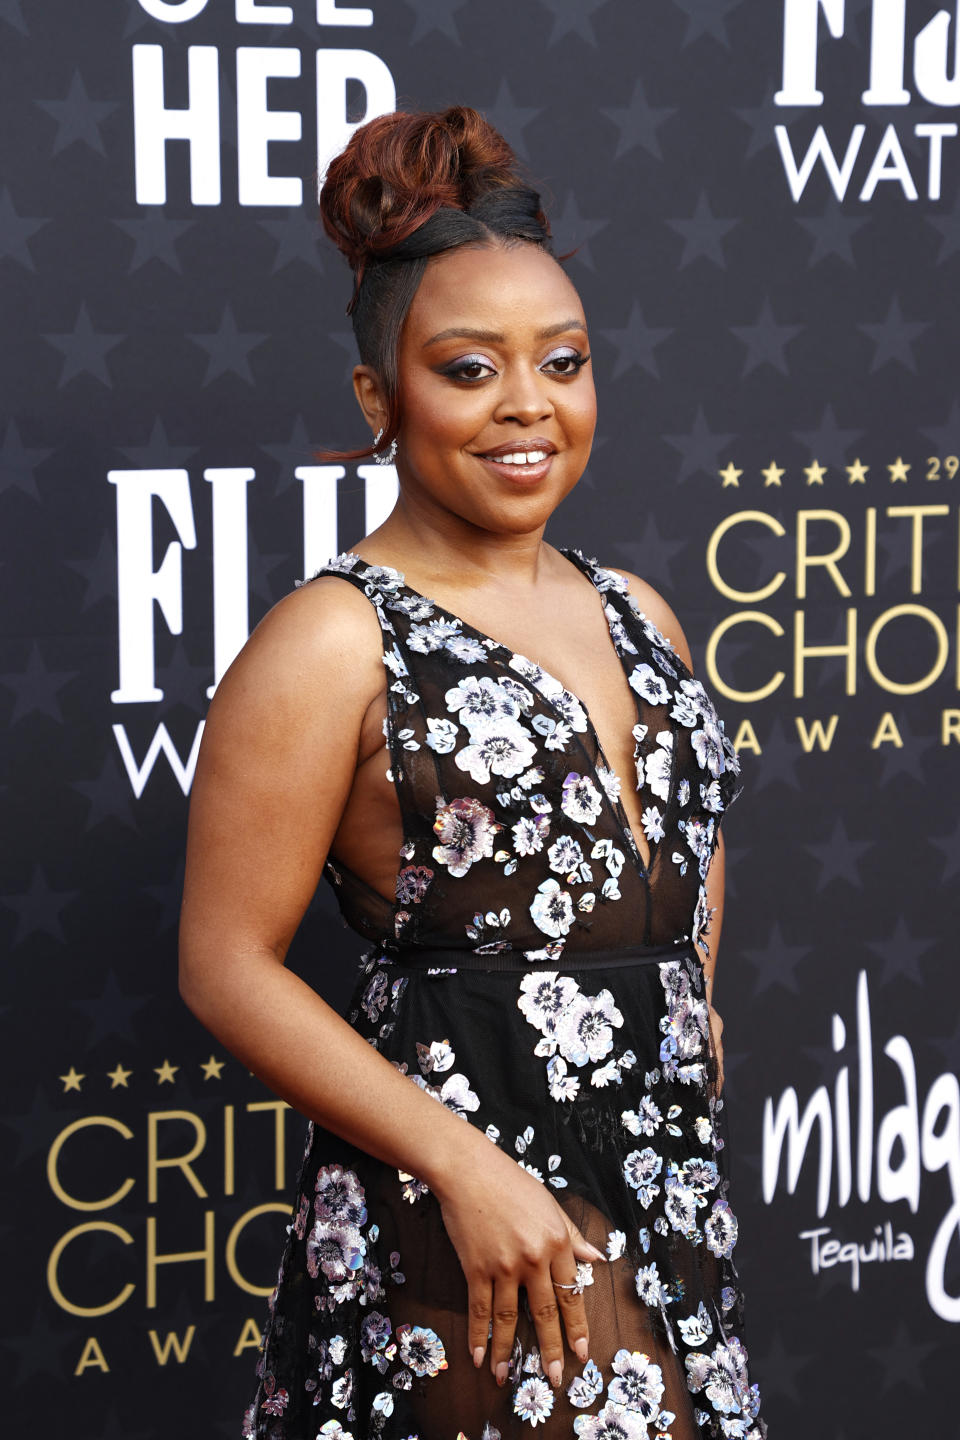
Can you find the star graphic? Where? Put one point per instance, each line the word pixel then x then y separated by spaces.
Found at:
pixel 84 350
pixel 636 343
pixel 165 1072
pixel 815 473
pixel 435 15
pixel 652 555
pixel 900 953
pixel 779 760
pixel 857 473
pixel 572 17
pixel 100 573
pixel 259 569
pixel 510 118
pixel 638 122
pixel 898 470
pixel 773 475
pixel 37 1126
pixel 948 1045
pixel 109 795
pixel 183 683
pixel 950 845
pixel 111 1013
pixel 894 338
pixel 298 238
pixel 765 341
pixel 949 228
pixel 211 1068
pixel 706 17
pixel 228 349
pixel 828 440
pixel 119 1077
pixel 289 454
pixel 779 1366
pixel 36 688
pixel 72 1080
pixel 761 119
pixel 900 1361
pixel 839 857
pixel 730 475
pixel 703 234
pixel 945 438
pixel 159 453
pixel 700 449
pixel 904 759
pixel 11 12
pixel 169 898
pixel 832 234
pixel 15 231
pixel 40 1348
pixel 155 236
pixel 776 962
pixel 17 463
pixel 78 117
pixel 572 232
pixel 347 342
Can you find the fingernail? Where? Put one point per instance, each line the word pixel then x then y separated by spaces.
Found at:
pixel 582 1350
pixel 502 1372
pixel 478 1356
pixel 597 1254
pixel 555 1371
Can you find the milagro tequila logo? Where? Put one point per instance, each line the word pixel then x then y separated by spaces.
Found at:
pixel 886 1155
pixel 906 49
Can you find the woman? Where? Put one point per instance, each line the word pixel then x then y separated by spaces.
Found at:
pixel 515 1213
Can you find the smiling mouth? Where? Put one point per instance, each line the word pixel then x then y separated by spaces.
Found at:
pixel 520 459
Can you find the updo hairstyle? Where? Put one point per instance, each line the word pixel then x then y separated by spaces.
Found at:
pixel 408 186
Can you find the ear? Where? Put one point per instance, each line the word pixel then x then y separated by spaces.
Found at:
pixel 370 396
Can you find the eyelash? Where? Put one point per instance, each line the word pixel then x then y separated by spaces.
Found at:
pixel 456 371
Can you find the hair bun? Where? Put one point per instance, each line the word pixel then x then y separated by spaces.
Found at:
pixel 399 169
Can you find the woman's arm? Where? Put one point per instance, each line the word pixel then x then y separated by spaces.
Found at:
pixel 283 739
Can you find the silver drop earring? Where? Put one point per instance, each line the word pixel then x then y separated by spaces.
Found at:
pixel 385 457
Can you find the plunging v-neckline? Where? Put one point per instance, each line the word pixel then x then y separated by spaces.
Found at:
pixel 644 863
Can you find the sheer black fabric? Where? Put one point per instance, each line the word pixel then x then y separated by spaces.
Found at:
pixel 540 980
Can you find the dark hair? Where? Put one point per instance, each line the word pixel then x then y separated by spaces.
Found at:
pixel 408 186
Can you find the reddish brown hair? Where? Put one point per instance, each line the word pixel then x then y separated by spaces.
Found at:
pixel 408 186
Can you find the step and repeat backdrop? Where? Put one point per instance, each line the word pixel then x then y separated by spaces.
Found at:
pixel 763 203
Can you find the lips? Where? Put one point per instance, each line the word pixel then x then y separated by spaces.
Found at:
pixel 519 447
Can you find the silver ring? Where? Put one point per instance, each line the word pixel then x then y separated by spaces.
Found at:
pixel 559 1285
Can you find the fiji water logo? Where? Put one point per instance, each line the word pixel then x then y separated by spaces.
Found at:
pixel 887 1156
pixel 925 56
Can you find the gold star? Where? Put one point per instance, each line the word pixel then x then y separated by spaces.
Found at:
pixel 165 1072
pixel 898 470
pixel 118 1076
pixel 731 475
pixel 211 1068
pixel 771 476
pixel 71 1081
pixel 857 473
pixel 815 473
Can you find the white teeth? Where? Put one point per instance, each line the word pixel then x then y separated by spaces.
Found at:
pixel 521 457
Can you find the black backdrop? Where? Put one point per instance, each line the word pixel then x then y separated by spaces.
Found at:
pixel 765 201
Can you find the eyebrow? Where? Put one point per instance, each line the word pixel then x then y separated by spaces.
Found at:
pixel 465 332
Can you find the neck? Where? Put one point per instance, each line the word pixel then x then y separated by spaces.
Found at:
pixel 438 547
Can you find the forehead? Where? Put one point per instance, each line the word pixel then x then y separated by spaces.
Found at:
pixel 494 286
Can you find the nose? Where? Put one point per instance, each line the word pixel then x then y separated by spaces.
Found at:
pixel 525 396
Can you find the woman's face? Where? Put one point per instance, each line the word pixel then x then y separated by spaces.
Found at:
pixel 494 356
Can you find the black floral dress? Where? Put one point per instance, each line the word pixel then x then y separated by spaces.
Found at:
pixel 535 977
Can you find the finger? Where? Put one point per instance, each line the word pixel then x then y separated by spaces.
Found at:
pixel 573 1312
pixel 582 1248
pixel 480 1305
pixel 543 1300
pixel 504 1327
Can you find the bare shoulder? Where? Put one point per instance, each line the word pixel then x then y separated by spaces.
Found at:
pixel 653 605
pixel 318 648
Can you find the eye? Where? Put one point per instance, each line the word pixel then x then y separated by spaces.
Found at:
pixel 571 361
pixel 467 368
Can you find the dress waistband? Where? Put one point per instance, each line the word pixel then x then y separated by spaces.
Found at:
pixel 516 960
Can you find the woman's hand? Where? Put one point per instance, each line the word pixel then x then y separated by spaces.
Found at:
pixel 508 1231
pixel 716 1036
